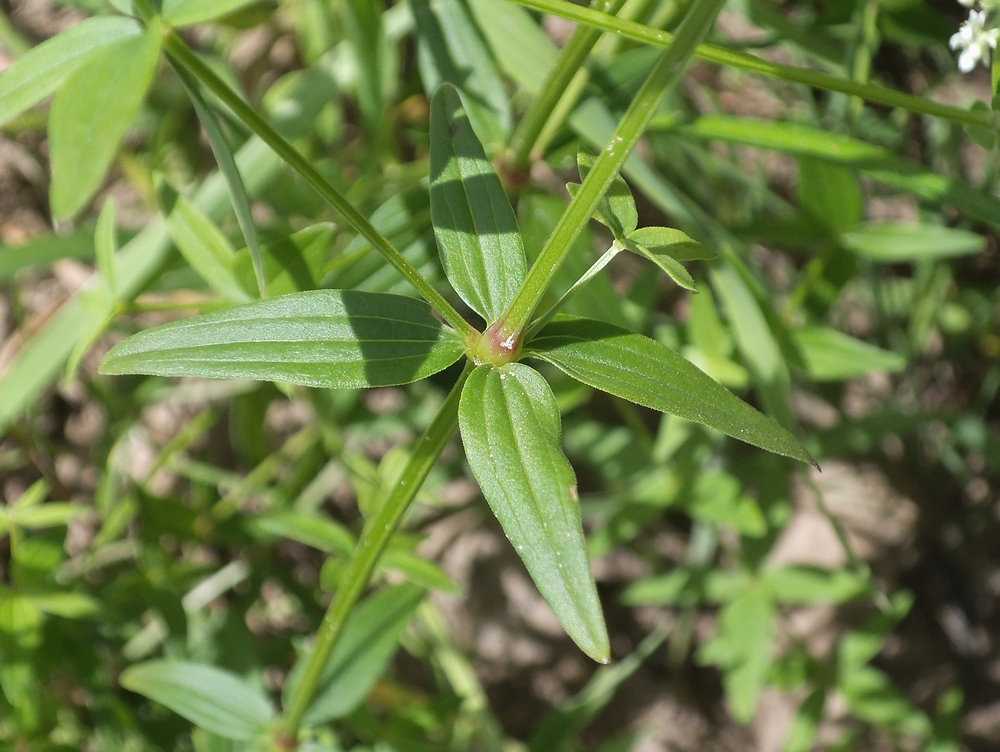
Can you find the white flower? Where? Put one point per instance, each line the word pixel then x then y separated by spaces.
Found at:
pixel 975 41
pixel 967 3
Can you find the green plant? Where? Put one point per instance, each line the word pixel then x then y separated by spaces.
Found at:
pixel 285 315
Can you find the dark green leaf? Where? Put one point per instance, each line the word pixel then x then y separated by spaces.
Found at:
pixel 830 194
pixel 211 698
pixel 323 338
pixel 476 232
pixel 513 440
pixel 91 113
pixel 44 68
pixel 641 370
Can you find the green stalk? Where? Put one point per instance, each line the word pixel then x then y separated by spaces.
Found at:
pixel 377 532
pixel 571 57
pixel 574 90
pixel 665 73
pixel 715 54
pixel 186 57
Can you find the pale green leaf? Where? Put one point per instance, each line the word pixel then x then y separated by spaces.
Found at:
pixel 66 605
pixel 106 244
pixel 643 371
pixel 686 587
pixel 323 338
pixel 830 355
pixel 743 647
pixel 511 430
pixel 43 69
pixel 187 12
pixel 809 585
pixel 211 698
pixel 893 242
pixel 42 250
pixel 40 516
pixel 206 249
pixel 91 113
pixel 476 232
pixel 449 50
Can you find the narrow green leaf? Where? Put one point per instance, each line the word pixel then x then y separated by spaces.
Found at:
pixel 41 516
pixel 46 249
pixel 643 371
pixel 756 340
pixel 367 644
pixel 668 264
pixel 830 355
pixel 671 242
pixel 38 73
pixel 323 338
pixel 210 698
pixel 206 249
pixel 513 440
pixel 227 166
pixel 313 530
pixel 718 498
pixel 687 587
pixel 876 161
pixel 476 232
pixel 809 585
pixel 893 243
pixel 91 113
pixel 616 209
pixel 187 12
pixel 449 50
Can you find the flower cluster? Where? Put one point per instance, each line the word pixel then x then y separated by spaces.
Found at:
pixel 975 40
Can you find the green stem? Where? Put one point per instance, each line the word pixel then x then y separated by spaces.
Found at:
pixel 722 56
pixel 593 271
pixel 572 56
pixel 666 72
pixel 183 54
pixel 377 532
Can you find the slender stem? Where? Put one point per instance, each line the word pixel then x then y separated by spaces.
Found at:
pixel 185 56
pixel 377 532
pixel 588 275
pixel 665 73
pixel 721 55
pixel 572 56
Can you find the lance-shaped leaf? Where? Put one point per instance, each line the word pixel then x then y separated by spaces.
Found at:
pixel 667 248
pixel 513 440
pixel 322 338
pixel 643 371
pixel 91 113
pixel 211 698
pixel 476 232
